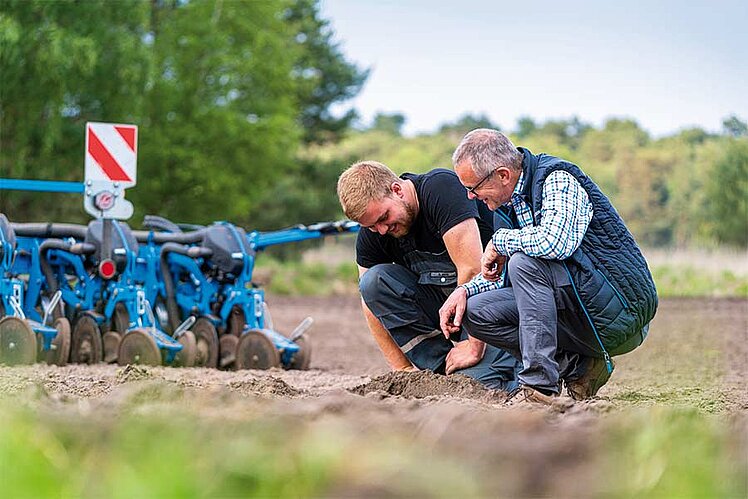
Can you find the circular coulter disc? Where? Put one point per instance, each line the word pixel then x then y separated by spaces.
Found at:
pixel 256 351
pixel 17 342
pixel 227 350
pixel 86 346
pixel 138 347
pixel 60 351
pixel 120 319
pixel 187 355
pixel 207 343
pixel 236 321
pixel 112 340
pixel 303 357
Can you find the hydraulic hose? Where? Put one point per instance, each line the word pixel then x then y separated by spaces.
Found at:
pixel 191 252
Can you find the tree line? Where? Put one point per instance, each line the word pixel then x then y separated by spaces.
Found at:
pixel 235 107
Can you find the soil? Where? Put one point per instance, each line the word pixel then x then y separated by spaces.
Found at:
pixel 695 356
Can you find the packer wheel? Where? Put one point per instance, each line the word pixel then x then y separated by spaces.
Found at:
pixel 60 351
pixel 86 346
pixel 17 342
pixel 303 357
pixel 138 347
pixel 112 340
pixel 256 351
pixel 207 343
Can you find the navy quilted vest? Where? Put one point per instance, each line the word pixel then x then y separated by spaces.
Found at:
pixel 610 275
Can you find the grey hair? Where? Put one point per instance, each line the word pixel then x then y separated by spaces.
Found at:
pixel 486 150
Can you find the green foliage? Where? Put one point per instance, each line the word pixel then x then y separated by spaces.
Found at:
pixel 391 124
pixel 664 452
pixel 309 279
pixel 223 93
pixel 323 76
pixel 728 191
pixel 688 189
pixel 64 63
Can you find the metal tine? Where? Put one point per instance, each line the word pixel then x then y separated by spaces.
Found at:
pixel 17 310
pixel 51 306
pixel 184 326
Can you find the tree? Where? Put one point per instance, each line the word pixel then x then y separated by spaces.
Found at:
pixel 323 75
pixel 525 127
pixel 734 127
pixel 468 122
pixel 389 123
pixel 62 64
pixel 221 123
pixel 728 189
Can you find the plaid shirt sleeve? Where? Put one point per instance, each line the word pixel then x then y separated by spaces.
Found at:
pixel 564 218
pixel 478 285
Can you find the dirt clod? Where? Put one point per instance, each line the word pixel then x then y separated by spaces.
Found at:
pixel 424 384
pixel 132 373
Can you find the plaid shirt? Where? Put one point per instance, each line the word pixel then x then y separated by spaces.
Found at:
pixel 564 218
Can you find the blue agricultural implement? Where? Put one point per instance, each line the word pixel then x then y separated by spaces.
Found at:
pixel 207 274
pixel 25 333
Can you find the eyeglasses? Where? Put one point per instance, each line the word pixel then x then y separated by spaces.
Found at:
pixel 472 189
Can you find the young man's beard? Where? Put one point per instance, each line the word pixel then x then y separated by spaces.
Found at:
pixel 407 221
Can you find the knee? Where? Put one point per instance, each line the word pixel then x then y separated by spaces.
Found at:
pixel 520 263
pixel 372 284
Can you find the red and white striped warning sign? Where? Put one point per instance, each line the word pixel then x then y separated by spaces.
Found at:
pixel 111 153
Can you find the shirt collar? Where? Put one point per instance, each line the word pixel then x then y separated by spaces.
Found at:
pixel 517 188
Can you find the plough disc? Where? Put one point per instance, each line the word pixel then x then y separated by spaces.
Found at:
pixel 120 319
pixel 186 356
pixel 86 345
pixel 207 343
pixel 60 351
pixel 303 357
pixel 256 351
pixel 17 342
pixel 138 347
pixel 227 350
pixel 112 340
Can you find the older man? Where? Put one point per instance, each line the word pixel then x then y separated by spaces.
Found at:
pixel 563 285
pixel 420 237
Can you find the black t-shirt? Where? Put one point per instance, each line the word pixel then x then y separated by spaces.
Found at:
pixel 443 203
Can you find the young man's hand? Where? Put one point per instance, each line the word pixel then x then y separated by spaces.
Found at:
pixel 465 354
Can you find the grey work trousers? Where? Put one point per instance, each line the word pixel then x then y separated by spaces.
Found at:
pixel 410 312
pixel 538 319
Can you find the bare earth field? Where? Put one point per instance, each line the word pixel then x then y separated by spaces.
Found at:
pixel 671 422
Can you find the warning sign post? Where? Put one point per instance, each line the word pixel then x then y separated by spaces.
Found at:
pixel 111 167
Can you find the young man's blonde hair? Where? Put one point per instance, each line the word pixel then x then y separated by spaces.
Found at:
pixel 362 183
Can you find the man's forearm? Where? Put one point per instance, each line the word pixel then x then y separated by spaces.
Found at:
pixel 390 350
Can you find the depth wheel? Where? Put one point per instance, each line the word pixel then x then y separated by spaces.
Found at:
pixel 256 351
pixel 187 355
pixel 303 357
pixel 227 350
pixel 138 347
pixel 17 342
pixel 112 340
pixel 86 346
pixel 207 343
pixel 120 319
pixel 60 351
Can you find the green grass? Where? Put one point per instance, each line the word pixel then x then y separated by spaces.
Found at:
pixel 689 281
pixel 297 278
pixel 146 450
pixel 665 452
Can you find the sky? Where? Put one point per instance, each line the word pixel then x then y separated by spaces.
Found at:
pixel 667 64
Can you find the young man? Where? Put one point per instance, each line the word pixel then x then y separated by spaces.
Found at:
pixel 420 237
pixel 563 286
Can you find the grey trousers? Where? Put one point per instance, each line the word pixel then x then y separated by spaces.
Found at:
pixel 410 312
pixel 538 319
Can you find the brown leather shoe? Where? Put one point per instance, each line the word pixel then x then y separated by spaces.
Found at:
pixel 591 381
pixel 528 396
